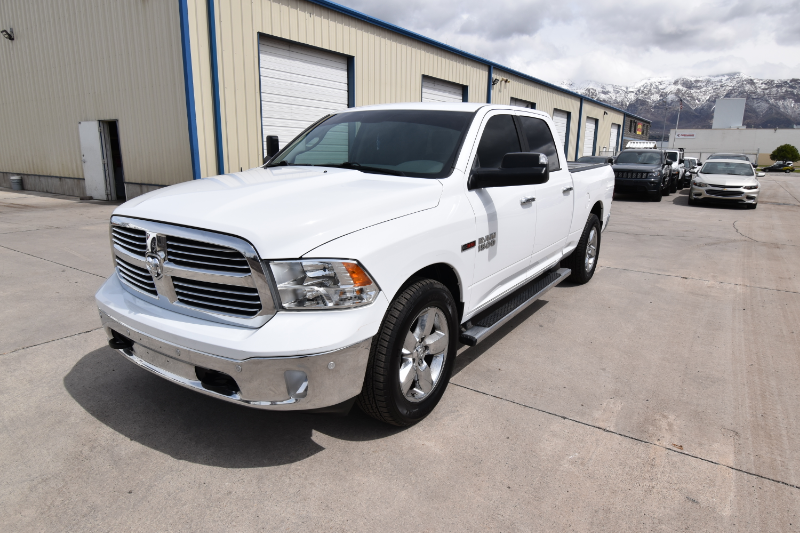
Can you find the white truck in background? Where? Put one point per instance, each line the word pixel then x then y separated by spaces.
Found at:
pixel 352 264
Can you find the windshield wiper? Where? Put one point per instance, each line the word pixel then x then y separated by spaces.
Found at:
pixel 362 168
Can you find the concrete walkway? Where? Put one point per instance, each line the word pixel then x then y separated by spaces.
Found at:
pixel 662 396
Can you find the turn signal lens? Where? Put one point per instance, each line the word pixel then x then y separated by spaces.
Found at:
pixel 357 274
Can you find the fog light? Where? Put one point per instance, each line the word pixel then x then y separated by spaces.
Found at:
pixel 296 383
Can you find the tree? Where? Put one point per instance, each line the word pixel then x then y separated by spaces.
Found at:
pixel 785 152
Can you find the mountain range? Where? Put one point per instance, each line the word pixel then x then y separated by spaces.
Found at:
pixel 770 103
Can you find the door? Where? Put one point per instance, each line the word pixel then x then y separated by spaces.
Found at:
pixel 554 199
pixel 612 140
pixel 516 102
pixel 299 85
pixel 561 122
pixel 589 136
pixel 505 224
pixel 94 158
pixel 434 90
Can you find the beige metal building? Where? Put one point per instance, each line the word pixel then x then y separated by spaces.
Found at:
pixel 114 98
pixel 758 144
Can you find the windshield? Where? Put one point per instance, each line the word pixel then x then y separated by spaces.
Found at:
pixel 648 157
pixel 690 163
pixel 731 169
pixel 740 157
pixel 674 156
pixel 402 142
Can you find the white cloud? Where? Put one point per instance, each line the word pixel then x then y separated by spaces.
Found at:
pixel 609 40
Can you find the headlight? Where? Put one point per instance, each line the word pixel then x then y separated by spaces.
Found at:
pixel 750 187
pixel 699 184
pixel 323 284
pixel 655 173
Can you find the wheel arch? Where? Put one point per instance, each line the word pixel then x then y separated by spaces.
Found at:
pixel 445 274
pixel 597 210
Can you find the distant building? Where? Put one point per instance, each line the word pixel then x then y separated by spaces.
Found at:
pixel 118 98
pixel 756 143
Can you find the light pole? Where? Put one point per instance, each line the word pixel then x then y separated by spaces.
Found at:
pixel 664 124
pixel 677 123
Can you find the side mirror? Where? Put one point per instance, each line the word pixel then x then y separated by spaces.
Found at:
pixel 610 161
pixel 760 174
pixel 517 168
pixel 272 145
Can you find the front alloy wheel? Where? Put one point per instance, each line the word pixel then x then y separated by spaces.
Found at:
pixel 423 355
pixel 412 355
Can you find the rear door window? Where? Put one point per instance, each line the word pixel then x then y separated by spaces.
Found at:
pixel 540 140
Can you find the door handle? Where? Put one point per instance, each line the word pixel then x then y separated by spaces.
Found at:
pixel 566 189
pixel 527 200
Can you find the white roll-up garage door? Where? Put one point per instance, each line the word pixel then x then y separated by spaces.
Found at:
pixel 434 90
pixel 612 140
pixel 588 136
pixel 516 102
pixel 560 119
pixel 299 85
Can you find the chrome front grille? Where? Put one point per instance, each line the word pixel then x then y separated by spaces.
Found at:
pixel 131 240
pixel 192 271
pixel 219 298
pixel 137 277
pixel 194 254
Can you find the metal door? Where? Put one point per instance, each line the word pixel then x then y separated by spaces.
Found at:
pixel 95 160
pixel 505 217
pixel 434 90
pixel 588 138
pixel 299 85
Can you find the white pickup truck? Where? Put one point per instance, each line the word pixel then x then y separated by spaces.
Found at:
pixel 349 267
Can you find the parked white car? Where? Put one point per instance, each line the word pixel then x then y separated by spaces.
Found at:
pixel 678 169
pixel 726 180
pixel 350 266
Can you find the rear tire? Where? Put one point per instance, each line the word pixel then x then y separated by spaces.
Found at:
pixel 583 260
pixel 423 315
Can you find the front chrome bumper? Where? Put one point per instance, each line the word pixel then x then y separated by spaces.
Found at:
pixel 731 194
pixel 278 383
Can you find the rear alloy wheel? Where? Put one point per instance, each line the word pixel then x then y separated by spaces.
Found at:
pixel 412 355
pixel 583 260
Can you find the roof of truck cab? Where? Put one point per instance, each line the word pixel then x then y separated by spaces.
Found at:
pixel 441 106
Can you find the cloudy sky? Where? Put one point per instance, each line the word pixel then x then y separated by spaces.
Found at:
pixel 611 41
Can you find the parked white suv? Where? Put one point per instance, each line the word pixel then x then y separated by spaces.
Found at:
pixel 354 262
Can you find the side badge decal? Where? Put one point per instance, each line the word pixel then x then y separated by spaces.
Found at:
pixel 484 243
pixel 465 247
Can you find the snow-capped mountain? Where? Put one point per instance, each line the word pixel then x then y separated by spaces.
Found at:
pixel 770 103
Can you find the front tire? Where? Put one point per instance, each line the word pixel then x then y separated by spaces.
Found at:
pixel 412 356
pixel 583 260
pixel 673 186
pixel 655 197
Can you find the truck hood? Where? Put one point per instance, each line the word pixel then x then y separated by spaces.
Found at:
pixel 287 211
pixel 726 180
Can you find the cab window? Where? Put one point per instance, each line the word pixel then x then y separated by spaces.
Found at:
pixel 540 140
pixel 499 138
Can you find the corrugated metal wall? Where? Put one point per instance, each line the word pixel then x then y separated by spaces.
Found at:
pixel 388 66
pixel 76 60
pixel 545 98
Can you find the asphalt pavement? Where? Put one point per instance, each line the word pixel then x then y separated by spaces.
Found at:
pixel 662 396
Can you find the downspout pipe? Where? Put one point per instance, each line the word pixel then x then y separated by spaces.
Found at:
pixel 212 39
pixel 489 86
pixel 580 123
pixel 188 86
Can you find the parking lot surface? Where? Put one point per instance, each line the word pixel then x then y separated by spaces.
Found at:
pixel 662 396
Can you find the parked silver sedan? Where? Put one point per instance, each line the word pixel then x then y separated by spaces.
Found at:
pixel 726 180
